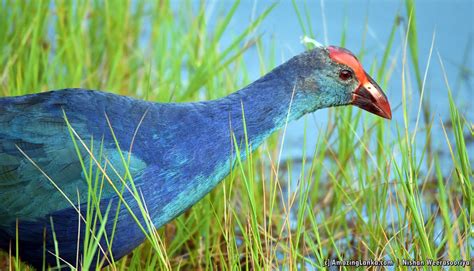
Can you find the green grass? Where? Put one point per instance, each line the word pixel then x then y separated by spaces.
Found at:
pixel 362 194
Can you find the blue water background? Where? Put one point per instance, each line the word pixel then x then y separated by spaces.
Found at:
pixel 368 24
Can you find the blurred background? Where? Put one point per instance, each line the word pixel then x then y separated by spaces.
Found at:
pixel 365 27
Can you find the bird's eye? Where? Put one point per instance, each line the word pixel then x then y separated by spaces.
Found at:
pixel 345 75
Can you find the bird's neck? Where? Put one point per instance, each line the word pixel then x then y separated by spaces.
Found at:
pixel 256 111
pixel 248 115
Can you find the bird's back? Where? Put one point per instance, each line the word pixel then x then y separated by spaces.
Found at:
pixel 38 156
pixel 55 146
pixel 44 164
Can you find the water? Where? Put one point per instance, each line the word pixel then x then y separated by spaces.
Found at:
pixel 450 21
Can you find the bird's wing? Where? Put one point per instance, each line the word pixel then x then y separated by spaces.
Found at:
pixel 38 159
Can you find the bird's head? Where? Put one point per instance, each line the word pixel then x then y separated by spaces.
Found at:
pixel 333 76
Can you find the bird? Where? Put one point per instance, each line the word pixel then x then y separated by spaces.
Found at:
pixel 152 156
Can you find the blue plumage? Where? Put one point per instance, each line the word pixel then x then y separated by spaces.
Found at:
pixel 175 152
pixel 179 153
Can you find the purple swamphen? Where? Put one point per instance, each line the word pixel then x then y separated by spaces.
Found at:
pixel 53 144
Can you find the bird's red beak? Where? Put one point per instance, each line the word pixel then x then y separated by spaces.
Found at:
pixel 370 97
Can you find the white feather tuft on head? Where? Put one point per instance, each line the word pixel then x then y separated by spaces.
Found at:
pixel 306 39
